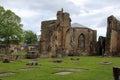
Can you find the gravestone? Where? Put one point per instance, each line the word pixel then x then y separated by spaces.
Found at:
pixel 74 58
pixel 32 63
pixel 116 73
pixel 57 61
pixel 31 55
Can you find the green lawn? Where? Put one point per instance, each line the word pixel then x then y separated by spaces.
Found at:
pixel 95 70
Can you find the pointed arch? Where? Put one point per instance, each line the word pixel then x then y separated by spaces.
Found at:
pixel 81 41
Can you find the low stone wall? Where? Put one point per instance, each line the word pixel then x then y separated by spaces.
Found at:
pixel 16 57
pixel 1 57
pixel 13 57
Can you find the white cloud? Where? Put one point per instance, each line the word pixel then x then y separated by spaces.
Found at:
pixel 25 13
pixel 78 2
pixel 86 12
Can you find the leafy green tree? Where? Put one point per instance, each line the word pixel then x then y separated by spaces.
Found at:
pixel 10 27
pixel 30 37
pixel 2 11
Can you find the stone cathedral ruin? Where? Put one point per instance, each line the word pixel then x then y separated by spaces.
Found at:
pixel 59 39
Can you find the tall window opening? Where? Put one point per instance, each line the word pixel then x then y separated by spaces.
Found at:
pixel 81 41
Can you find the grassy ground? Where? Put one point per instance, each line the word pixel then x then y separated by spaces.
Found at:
pixel 96 71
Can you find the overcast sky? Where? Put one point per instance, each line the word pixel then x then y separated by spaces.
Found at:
pixel 90 13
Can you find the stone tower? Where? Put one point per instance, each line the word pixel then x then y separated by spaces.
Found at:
pixel 63 24
pixel 53 34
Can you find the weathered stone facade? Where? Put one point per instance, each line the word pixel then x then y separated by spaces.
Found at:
pixel 113 36
pixel 83 40
pixel 58 38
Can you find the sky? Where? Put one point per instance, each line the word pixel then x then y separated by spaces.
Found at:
pixel 90 13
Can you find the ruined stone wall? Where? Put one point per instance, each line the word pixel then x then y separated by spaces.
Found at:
pixel 113 43
pixel 112 36
pixel 54 34
pixel 93 42
pixel 58 38
pixel 47 30
pixel 68 45
pixel 64 23
pixel 118 45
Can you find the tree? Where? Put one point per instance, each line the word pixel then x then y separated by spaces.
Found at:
pixel 10 27
pixel 30 37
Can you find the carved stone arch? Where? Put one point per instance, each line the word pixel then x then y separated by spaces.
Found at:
pixel 81 41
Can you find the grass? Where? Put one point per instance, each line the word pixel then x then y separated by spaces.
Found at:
pixel 96 71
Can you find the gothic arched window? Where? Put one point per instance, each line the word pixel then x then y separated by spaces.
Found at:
pixel 81 41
